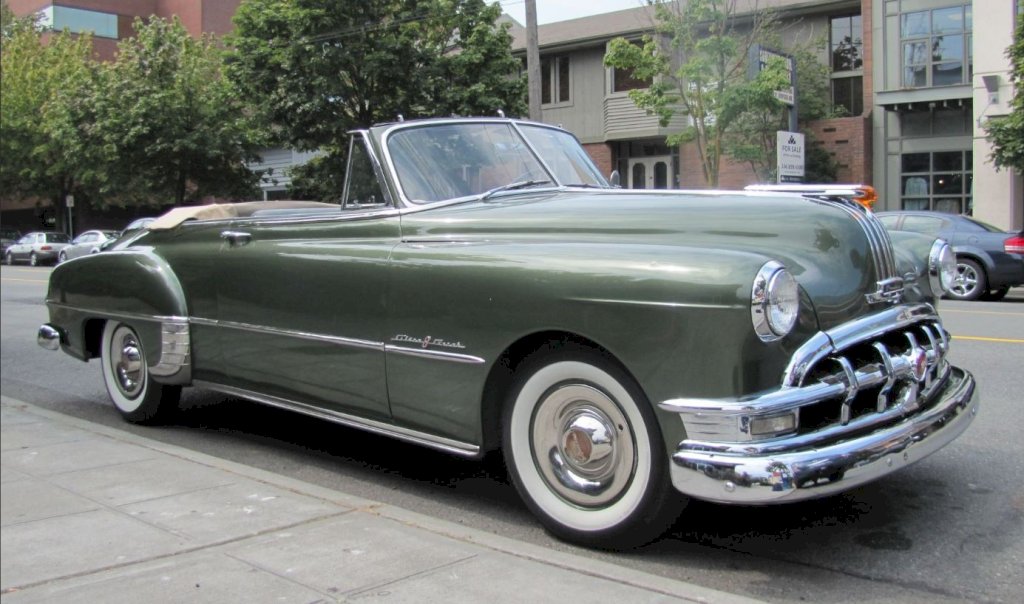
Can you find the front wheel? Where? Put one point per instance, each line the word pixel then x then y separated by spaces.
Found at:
pixel 137 398
pixel 585 452
pixel 33 260
pixel 8 259
pixel 62 257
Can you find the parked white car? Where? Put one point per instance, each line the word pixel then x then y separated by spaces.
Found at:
pixel 37 248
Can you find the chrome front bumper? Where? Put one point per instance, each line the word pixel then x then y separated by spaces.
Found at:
pixel 787 469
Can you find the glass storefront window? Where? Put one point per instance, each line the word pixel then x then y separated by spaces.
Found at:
pixel 939 181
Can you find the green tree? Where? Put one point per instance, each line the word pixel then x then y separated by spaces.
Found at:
pixel 697 63
pixel 1007 133
pixel 318 69
pixel 37 80
pixel 168 126
pixel 752 139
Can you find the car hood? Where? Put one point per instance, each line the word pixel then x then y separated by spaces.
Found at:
pixel 824 248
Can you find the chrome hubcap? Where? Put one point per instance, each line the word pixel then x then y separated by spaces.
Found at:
pixel 583 446
pixel 128 363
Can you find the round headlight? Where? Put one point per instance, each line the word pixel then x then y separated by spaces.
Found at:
pixel 941 267
pixel 774 302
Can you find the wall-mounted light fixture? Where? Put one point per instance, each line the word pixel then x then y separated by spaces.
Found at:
pixel 992 86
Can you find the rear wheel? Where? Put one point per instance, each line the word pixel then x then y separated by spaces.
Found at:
pixel 33 260
pixel 970 282
pixel 137 398
pixel 585 452
pixel 62 257
pixel 8 259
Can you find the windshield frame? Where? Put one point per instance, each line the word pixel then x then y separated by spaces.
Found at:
pixel 390 129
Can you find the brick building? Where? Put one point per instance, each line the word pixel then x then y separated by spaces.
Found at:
pixel 111 20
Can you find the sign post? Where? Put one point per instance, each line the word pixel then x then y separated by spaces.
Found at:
pixel 70 199
pixel 789 147
pixel 758 59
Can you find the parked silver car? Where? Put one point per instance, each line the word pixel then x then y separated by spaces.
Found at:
pixel 87 243
pixel 37 248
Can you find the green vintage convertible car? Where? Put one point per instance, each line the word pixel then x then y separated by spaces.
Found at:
pixel 481 286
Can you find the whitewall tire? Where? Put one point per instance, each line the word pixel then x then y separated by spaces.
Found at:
pixel 135 396
pixel 585 452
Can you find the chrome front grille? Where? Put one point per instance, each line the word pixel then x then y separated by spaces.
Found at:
pixel 868 372
pixel 887 376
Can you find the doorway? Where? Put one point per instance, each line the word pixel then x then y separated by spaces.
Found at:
pixel 648 172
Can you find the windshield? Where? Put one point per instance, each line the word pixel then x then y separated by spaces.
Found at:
pixel 467 159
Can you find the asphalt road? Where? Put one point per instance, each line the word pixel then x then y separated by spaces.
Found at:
pixel 948 529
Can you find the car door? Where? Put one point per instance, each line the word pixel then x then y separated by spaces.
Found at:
pixel 301 299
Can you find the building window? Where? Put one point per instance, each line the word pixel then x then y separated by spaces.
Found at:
pixel 79 21
pixel 556 82
pixel 846 59
pixel 848 95
pixel 941 181
pixel 624 80
pixel 936 47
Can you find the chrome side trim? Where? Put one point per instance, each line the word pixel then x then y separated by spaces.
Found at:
pixel 434 354
pixel 174 364
pixel 342 341
pixel 304 335
pixel 441 443
pixel 116 315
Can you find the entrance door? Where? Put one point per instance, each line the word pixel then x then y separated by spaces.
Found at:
pixel 649 172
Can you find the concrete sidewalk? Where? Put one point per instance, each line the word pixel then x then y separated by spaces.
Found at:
pixel 93 514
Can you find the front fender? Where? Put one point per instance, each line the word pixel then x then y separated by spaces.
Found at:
pixel 678 318
pixel 133 286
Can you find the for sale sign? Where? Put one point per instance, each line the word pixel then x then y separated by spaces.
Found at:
pixel 790 156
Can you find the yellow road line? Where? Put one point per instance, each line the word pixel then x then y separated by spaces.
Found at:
pixel 984 339
pixel 25 280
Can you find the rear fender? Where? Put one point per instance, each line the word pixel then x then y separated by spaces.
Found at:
pixel 136 287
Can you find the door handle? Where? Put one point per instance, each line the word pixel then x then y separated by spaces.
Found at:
pixel 236 238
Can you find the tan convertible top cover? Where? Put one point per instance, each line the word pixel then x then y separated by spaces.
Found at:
pixel 220 211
